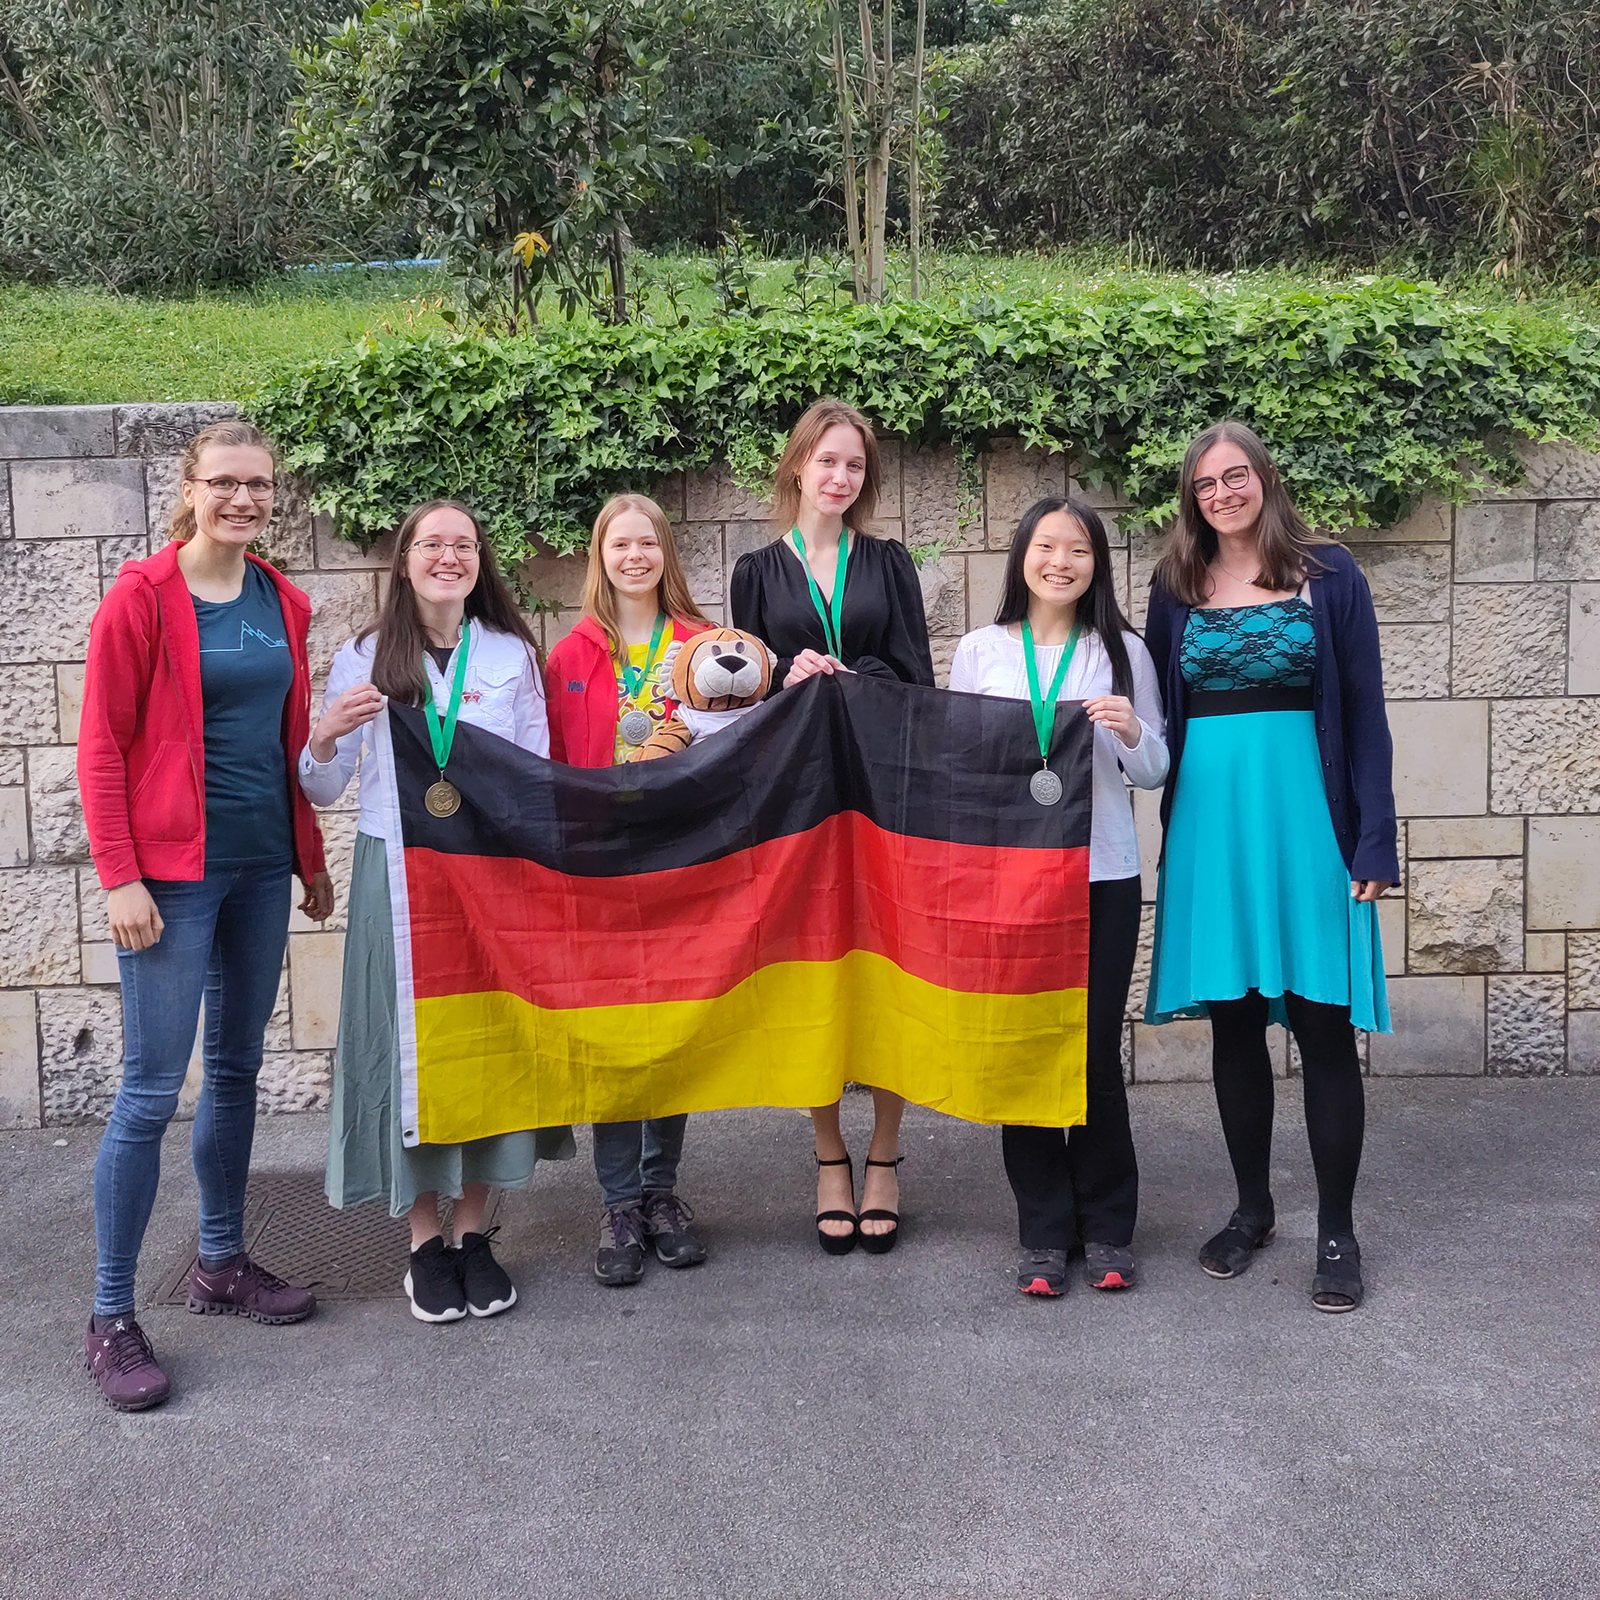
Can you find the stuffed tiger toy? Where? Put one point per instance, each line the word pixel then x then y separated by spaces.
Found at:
pixel 717 676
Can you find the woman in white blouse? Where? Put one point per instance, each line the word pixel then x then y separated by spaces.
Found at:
pixel 1080 1188
pixel 445 596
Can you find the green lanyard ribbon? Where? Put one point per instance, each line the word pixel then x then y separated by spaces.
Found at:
pixel 832 626
pixel 444 737
pixel 1044 709
pixel 633 678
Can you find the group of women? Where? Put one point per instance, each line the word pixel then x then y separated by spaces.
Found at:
pixel 1255 698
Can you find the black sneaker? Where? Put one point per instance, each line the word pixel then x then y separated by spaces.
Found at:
pixel 433 1281
pixel 489 1290
pixel 620 1258
pixel 1042 1272
pixel 666 1226
pixel 1108 1266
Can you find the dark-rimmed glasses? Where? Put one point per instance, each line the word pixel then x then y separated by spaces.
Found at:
pixel 1235 478
pixel 227 488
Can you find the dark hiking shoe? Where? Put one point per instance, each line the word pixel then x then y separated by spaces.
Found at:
pixel 121 1361
pixel 489 1288
pixel 433 1283
pixel 1042 1272
pixel 1108 1266
pixel 666 1226
pixel 620 1259
pixel 1227 1254
pixel 243 1289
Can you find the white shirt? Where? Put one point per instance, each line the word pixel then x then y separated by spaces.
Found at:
pixel 989 661
pixel 502 693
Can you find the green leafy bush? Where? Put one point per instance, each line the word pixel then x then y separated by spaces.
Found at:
pixel 1371 394
pixel 1238 131
pixel 144 143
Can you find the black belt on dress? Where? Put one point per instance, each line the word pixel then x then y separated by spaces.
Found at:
pixel 1236 702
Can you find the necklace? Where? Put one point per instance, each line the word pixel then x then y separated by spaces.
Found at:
pixel 1250 583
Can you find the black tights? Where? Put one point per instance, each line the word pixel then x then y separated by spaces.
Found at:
pixel 1241 1071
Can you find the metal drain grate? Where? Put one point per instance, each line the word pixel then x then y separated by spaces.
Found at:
pixel 290 1228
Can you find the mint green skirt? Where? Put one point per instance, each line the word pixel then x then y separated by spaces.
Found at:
pixel 367 1159
pixel 1254 892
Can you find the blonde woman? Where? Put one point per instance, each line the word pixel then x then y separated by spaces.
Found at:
pixel 829 597
pixel 608 693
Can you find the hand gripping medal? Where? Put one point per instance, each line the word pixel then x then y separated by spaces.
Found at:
pixel 443 799
pixel 635 725
pixel 1044 785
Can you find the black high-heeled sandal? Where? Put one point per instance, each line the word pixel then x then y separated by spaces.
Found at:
pixel 839 1244
pixel 1337 1285
pixel 880 1244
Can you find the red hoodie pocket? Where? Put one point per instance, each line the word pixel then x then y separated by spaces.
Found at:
pixel 164 806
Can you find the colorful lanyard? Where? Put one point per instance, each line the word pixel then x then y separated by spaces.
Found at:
pixel 633 678
pixel 832 626
pixel 444 737
pixel 1044 709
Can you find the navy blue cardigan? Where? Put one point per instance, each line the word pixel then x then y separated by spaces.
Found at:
pixel 1346 694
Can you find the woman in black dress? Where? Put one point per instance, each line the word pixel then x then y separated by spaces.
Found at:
pixel 829 597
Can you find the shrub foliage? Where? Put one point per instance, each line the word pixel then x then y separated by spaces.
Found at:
pixel 1371 394
pixel 1239 131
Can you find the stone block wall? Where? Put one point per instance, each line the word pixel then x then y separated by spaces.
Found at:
pixel 1490 617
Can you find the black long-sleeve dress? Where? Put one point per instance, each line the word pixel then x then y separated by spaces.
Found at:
pixel 885 630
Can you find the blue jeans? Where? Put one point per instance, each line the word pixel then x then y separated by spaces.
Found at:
pixel 633 1158
pixel 224 938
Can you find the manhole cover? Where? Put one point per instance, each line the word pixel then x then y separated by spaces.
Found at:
pixel 290 1228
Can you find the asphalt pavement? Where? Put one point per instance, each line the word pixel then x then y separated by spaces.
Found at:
pixel 781 1424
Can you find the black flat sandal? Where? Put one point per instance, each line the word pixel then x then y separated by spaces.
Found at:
pixel 838 1244
pixel 1227 1254
pixel 880 1244
pixel 1337 1285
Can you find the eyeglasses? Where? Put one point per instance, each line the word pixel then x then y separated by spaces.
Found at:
pixel 1234 477
pixel 227 488
pixel 432 549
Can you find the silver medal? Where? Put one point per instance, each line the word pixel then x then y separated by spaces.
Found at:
pixel 1045 787
pixel 635 727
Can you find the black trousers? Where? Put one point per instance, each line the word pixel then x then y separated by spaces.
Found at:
pixel 1082 1184
pixel 1241 1072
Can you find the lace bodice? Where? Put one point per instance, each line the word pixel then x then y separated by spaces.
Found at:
pixel 1250 647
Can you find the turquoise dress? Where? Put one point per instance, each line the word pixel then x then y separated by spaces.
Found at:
pixel 1254 892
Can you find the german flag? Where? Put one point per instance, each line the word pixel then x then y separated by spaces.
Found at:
pixel 851 882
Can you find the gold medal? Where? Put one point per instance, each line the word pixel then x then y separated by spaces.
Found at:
pixel 442 799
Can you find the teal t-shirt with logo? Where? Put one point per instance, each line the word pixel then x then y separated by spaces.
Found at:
pixel 245 675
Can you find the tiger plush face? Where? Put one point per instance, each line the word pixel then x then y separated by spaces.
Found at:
pixel 722 669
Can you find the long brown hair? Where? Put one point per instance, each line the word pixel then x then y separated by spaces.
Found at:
pixel 232 432
pixel 397 669
pixel 802 445
pixel 672 592
pixel 1284 544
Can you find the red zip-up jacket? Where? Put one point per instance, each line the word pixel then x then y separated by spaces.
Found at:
pixel 580 680
pixel 141 747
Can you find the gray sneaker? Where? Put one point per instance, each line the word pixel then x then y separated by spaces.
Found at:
pixel 1042 1272
pixel 1108 1266
pixel 666 1226
pixel 620 1259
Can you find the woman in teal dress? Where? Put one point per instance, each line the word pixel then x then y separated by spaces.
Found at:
pixel 1280 829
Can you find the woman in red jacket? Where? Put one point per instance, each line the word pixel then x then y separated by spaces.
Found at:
pixel 608 688
pixel 196 703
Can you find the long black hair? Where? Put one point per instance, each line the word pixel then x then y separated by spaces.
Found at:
pixel 1097 605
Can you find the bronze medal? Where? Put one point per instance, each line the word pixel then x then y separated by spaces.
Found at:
pixel 442 799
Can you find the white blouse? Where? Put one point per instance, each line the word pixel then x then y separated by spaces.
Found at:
pixel 989 661
pixel 502 693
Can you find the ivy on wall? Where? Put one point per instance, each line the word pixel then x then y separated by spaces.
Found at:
pixel 1370 392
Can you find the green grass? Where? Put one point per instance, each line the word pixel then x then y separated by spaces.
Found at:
pixel 82 345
